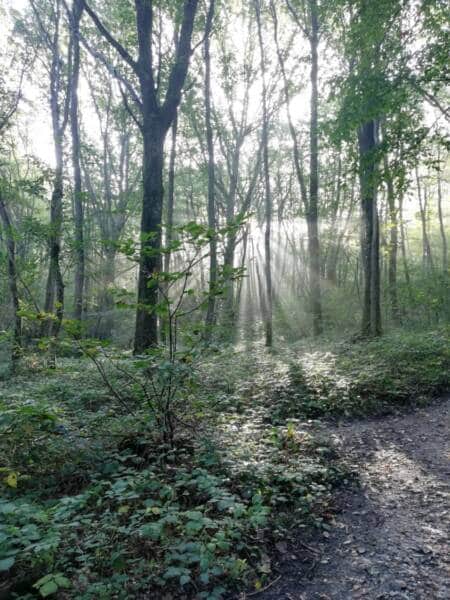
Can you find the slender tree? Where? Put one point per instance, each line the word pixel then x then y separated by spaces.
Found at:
pixel 59 99
pixel 309 189
pixel 210 312
pixel 267 188
pixel 12 274
pixel 75 18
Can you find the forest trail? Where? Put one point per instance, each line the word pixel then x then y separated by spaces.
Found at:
pixel 391 536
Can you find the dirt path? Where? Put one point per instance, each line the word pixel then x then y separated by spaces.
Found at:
pixel 391 539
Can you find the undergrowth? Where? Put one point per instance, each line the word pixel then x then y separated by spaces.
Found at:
pixel 95 506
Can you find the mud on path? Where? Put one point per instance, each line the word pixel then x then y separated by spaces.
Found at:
pixel 391 536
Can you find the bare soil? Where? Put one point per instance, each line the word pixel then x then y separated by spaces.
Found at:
pixel 390 537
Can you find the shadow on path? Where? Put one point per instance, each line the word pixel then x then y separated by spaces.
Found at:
pixel 391 536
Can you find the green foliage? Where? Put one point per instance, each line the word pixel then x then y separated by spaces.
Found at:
pixel 369 377
pixel 105 510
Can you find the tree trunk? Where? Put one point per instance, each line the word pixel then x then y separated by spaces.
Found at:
pixel 210 313
pixel 146 334
pixel 312 214
pixel 441 223
pixel 426 248
pixel 171 194
pixel 370 240
pixel 403 248
pixel 393 245
pixel 76 14
pixel 54 294
pixel 12 277
pixel 267 190
pixel 55 284
pixel 156 121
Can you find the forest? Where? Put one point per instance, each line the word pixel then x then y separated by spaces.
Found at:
pixel 224 299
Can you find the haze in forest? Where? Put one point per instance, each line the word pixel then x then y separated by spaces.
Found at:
pixel 223 226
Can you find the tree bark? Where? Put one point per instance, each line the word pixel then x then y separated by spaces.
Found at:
pixel 267 191
pixel 370 241
pixel 427 258
pixel 75 17
pixel 210 312
pixel 146 333
pixel 312 214
pixel 54 294
pixel 393 245
pixel 441 222
pixel 171 194
pixel 12 276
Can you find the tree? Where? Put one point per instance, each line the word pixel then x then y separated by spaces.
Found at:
pixel 210 313
pixel 267 190
pixel 370 228
pixel 49 22
pixel 156 120
pixel 74 19
pixel 12 274
pixel 309 25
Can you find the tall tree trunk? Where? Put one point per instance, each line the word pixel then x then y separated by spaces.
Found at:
pixel 370 240
pixel 54 294
pixel 310 200
pixel 75 17
pixel 427 259
pixel 230 244
pixel 156 121
pixel 403 248
pixel 210 313
pixel 146 333
pixel 106 308
pixel 312 214
pixel 171 194
pixel 393 245
pixel 12 276
pixel 441 223
pixel 267 190
pixel 169 219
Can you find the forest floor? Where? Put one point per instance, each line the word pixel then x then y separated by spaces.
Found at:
pixel 315 471
pixel 391 534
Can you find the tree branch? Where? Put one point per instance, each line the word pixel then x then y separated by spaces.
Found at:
pixel 109 38
pixel 179 69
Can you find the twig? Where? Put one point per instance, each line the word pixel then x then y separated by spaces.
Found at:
pixel 265 587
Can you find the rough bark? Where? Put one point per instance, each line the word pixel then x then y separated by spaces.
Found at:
pixel 12 275
pixel 75 17
pixel 171 194
pixel 370 240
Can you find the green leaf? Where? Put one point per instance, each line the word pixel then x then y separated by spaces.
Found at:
pixel 62 581
pixel 7 563
pixel 48 589
pixel 152 530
